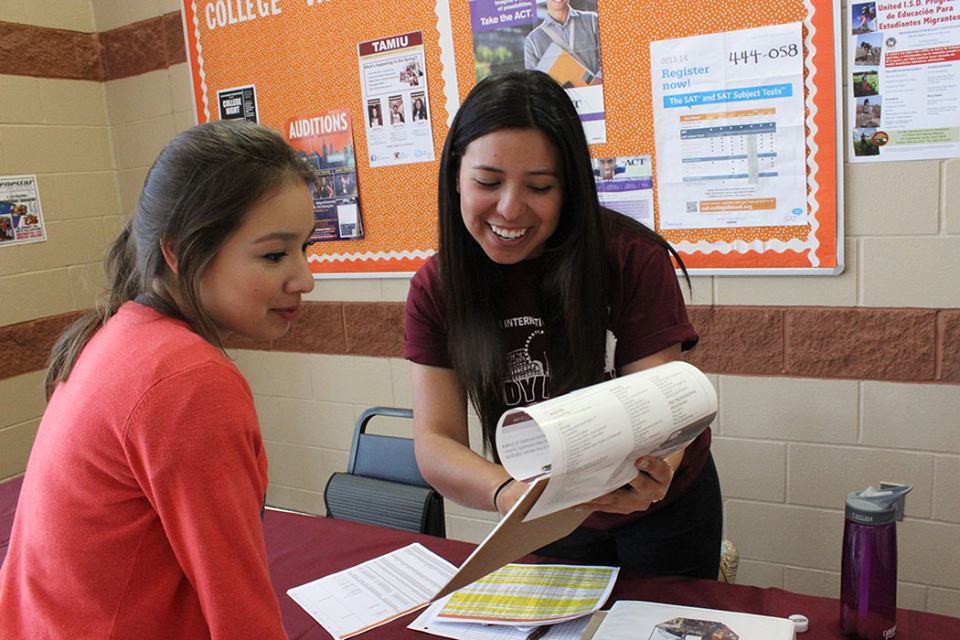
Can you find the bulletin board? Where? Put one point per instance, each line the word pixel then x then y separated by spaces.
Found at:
pixel 302 58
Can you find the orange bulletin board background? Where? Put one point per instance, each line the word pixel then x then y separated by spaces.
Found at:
pixel 303 61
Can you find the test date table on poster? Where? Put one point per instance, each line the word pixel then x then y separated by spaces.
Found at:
pixel 303 548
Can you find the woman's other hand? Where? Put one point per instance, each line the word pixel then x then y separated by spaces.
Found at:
pixel 650 486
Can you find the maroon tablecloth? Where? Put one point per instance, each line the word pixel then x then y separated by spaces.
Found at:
pixel 303 548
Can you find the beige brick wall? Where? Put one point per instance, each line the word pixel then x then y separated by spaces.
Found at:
pixel 89 144
pixel 59 131
pixel 788 452
pixel 112 14
pixel 308 405
pixel 20 409
pixel 145 112
pixel 72 15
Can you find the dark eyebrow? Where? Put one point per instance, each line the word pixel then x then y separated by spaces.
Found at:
pixel 278 235
pixel 538 172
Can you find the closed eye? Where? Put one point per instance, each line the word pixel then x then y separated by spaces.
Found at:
pixel 487 185
pixel 540 189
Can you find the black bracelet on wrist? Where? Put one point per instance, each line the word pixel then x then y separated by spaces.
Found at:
pixel 496 494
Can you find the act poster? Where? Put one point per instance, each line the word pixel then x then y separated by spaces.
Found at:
pixel 625 184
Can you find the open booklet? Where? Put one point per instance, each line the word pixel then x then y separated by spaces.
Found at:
pixel 588 441
pixel 582 445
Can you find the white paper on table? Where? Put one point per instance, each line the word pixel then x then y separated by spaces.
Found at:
pixel 636 620
pixel 375 592
pixel 427 623
pixel 589 440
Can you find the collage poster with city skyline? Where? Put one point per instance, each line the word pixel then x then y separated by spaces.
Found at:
pixel 325 141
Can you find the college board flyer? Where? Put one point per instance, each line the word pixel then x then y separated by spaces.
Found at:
pixel 588 441
pixel 397 106
pixel 560 38
pixel 625 185
pixel 903 91
pixel 325 141
pixel 729 129
pixel 21 216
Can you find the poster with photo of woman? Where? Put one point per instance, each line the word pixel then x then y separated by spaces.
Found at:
pixel 393 77
pixel 418 110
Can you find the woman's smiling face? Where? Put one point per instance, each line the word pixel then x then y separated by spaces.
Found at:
pixel 511 193
pixel 254 284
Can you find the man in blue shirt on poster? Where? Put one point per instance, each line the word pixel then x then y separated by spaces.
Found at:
pixel 577 32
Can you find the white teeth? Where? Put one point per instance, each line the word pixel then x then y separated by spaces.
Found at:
pixel 509 234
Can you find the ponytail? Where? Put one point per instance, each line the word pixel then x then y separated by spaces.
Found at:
pixel 124 286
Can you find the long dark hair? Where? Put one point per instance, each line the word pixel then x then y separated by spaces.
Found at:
pixel 573 293
pixel 195 195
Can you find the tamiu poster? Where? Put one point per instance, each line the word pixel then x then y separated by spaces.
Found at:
pixel 396 102
pixel 560 38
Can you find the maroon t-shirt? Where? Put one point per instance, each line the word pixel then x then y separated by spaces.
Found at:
pixel 647 315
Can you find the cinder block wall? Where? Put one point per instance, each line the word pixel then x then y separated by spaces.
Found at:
pixel 826 384
pixel 56 128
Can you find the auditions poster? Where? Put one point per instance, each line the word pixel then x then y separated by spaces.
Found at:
pixel 325 141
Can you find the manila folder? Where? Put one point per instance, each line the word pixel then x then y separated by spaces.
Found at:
pixel 513 538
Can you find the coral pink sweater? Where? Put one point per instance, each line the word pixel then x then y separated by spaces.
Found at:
pixel 139 515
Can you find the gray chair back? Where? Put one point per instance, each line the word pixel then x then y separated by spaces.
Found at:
pixel 383 485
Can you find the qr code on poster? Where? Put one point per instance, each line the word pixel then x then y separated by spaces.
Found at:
pixel 692 206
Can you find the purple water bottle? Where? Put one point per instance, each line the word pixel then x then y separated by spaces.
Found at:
pixel 868 575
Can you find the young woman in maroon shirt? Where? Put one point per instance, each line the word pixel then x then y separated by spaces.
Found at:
pixel 532 287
